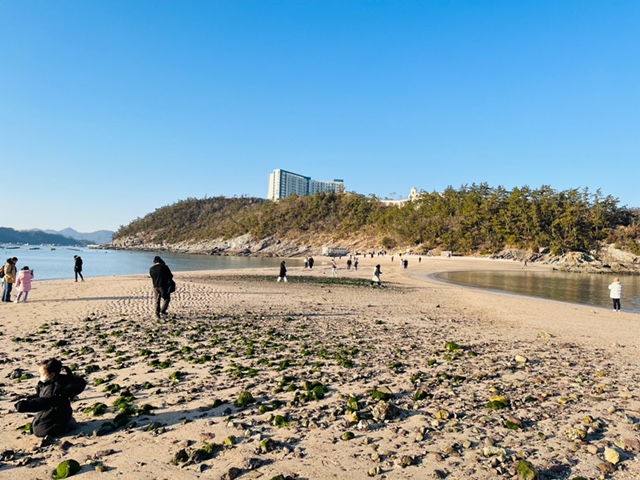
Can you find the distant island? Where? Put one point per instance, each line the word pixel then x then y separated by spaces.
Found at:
pixel 66 237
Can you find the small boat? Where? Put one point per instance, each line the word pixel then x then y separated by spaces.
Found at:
pixel 33 248
pixel 74 249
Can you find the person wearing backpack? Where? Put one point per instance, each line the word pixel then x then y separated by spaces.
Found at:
pixel 162 279
pixel 9 278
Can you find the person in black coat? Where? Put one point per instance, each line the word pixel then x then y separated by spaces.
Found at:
pixel 283 272
pixel 52 401
pixel 77 267
pixel 162 279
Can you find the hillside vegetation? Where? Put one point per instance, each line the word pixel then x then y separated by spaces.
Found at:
pixel 471 219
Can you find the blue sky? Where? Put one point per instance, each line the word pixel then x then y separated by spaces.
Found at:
pixel 111 109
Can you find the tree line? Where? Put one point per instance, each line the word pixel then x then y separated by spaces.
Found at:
pixel 473 218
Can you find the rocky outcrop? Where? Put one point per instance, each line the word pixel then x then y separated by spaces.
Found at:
pixel 607 259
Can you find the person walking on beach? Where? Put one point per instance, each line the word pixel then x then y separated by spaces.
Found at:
pixel 77 267
pixel 376 276
pixel 10 272
pixel 355 264
pixel 334 268
pixel 283 272
pixel 52 400
pixel 23 283
pixel 615 293
pixel 310 263
pixel 162 279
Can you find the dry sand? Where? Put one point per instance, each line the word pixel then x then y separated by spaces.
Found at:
pixel 568 372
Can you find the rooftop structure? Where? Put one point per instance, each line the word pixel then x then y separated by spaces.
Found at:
pixel 414 195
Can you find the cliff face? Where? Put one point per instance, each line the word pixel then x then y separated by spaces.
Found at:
pixel 246 245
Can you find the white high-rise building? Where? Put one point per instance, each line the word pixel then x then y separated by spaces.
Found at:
pixel 283 184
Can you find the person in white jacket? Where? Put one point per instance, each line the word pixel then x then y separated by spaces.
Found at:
pixel 615 293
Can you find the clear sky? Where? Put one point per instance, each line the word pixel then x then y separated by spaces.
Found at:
pixel 111 109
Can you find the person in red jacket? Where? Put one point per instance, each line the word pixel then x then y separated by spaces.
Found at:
pixel 52 401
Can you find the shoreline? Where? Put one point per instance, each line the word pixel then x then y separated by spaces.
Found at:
pixel 228 333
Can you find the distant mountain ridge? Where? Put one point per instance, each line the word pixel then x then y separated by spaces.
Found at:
pixel 99 237
pixel 68 236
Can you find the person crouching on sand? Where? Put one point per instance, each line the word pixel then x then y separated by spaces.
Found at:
pixel 615 293
pixel 52 401
pixel 23 283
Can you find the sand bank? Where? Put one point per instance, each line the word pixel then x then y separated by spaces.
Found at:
pixel 311 353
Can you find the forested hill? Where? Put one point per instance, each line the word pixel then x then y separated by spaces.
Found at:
pixel 471 219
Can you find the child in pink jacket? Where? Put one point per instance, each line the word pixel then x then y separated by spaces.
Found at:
pixel 23 283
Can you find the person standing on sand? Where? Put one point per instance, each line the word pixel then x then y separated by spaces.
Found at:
pixel 376 276
pixel 77 267
pixel 52 400
pixel 23 283
pixel 310 263
pixel 283 272
pixel 162 278
pixel 334 267
pixel 10 272
pixel 615 293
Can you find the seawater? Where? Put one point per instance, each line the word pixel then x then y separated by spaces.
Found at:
pixel 582 288
pixel 57 264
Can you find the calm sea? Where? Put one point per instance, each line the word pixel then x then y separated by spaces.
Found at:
pixel 57 264
pixel 567 287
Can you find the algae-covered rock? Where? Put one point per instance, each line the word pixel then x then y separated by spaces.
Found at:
pixel 347 436
pixel 513 423
pixel 244 399
pixel 420 395
pixel 576 434
pixel 498 402
pixel 526 471
pixel 452 346
pixel 67 469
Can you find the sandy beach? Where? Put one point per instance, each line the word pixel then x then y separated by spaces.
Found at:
pixel 321 379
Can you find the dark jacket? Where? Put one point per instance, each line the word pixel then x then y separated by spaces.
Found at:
pixel 78 264
pixel 52 402
pixel 160 275
pixel 283 270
